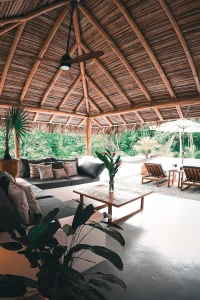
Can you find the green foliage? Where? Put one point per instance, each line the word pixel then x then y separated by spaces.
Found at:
pixel 54 261
pixel 110 162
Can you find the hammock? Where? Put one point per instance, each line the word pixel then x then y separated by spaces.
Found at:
pixel 164 149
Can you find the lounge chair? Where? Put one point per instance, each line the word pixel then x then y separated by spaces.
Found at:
pixel 155 173
pixel 192 177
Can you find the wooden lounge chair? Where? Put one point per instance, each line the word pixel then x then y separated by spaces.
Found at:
pixel 155 173
pixel 192 177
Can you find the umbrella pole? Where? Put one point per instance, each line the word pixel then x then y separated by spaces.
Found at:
pixel 180 140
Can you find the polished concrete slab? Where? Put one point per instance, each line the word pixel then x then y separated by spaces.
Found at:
pixel 162 253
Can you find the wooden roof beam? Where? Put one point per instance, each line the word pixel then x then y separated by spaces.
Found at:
pixel 122 119
pixel 158 114
pixel 157 105
pixel 179 111
pixel 52 118
pixel 55 78
pixel 70 91
pixel 80 52
pixel 43 50
pixel 96 122
pixel 94 104
pixel 36 116
pixel 9 27
pixel 79 105
pixel 81 123
pixel 69 120
pixel 146 46
pixel 10 55
pixel 182 41
pixel 45 111
pixel 108 75
pixel 108 39
pixel 108 121
pixel 139 117
pixel 100 92
pixel 33 14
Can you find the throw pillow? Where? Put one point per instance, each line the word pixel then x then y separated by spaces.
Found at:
pixel 59 173
pixel 34 173
pixel 19 201
pixel 45 172
pixel 70 169
pixel 32 202
pixel 10 177
pixel 91 169
pixel 24 165
pixel 5 205
pixel 4 182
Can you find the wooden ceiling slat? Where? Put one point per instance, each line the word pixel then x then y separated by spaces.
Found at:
pixel 182 41
pixel 80 52
pixel 108 39
pixel 145 44
pixel 57 75
pixel 11 54
pixel 109 76
pixel 43 50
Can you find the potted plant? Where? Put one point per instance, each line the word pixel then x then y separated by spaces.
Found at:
pixel 111 164
pixel 56 278
pixel 15 119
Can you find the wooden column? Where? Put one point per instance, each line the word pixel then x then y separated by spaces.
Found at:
pixel 88 137
pixel 17 153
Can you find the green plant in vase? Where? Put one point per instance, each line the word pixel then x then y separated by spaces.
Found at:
pixel 56 277
pixel 112 164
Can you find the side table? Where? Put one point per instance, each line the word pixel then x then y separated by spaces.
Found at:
pixel 172 176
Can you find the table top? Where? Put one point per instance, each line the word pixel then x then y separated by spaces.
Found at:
pixel 118 198
pixel 175 171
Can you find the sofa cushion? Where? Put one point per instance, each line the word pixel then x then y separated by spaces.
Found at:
pixel 4 203
pixel 38 193
pixel 91 169
pixel 24 165
pixel 49 204
pixel 53 183
pixel 82 179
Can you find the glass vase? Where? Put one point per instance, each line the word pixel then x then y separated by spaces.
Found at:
pixel 111 185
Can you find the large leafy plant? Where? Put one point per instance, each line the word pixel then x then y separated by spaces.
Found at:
pixel 111 163
pixel 56 278
pixel 15 119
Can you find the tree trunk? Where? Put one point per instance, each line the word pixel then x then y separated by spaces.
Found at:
pixel 146 154
pixel 6 153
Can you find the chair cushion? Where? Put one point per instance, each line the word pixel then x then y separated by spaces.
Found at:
pixel 24 165
pixel 75 180
pixel 53 183
pixel 49 204
pixel 91 169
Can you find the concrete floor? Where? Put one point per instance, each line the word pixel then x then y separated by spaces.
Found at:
pixel 162 253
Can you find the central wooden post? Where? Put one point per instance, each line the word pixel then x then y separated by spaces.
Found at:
pixel 88 137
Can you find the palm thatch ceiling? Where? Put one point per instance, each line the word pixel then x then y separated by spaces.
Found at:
pixel 149 72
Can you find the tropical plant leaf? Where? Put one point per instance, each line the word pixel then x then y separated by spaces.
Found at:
pixel 51 216
pixel 82 215
pixel 100 284
pixel 12 286
pixel 37 231
pixel 72 273
pixel 97 293
pixel 111 278
pixel 30 282
pixel 12 246
pixel 68 230
pixel 90 295
pixel 59 251
pixel 112 224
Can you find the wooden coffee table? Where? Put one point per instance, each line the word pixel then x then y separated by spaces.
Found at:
pixel 118 198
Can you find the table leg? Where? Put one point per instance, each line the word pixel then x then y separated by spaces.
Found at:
pixel 169 178
pixel 81 200
pixel 179 180
pixel 110 212
pixel 142 203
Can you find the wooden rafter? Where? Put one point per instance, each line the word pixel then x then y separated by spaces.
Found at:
pixel 80 52
pixel 94 104
pixel 35 117
pixel 8 28
pixel 108 120
pixel 100 92
pixel 55 78
pixel 122 119
pixel 139 117
pixel 146 46
pixel 179 111
pixel 69 120
pixel 108 75
pixel 43 50
pixel 81 123
pixel 108 39
pixel 33 14
pixel 79 105
pixel 96 122
pixel 158 114
pixel 52 118
pixel 182 41
pixel 11 54
pixel 157 105
pixel 69 91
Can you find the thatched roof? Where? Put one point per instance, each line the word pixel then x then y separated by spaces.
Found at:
pixel 150 70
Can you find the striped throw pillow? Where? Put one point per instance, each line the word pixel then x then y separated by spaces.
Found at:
pixel 34 173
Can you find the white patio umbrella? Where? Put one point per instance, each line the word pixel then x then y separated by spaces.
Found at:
pixel 182 126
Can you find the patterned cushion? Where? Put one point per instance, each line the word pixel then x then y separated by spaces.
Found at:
pixel 10 177
pixel 32 202
pixel 19 201
pixel 59 173
pixel 45 172
pixel 70 168
pixel 34 173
